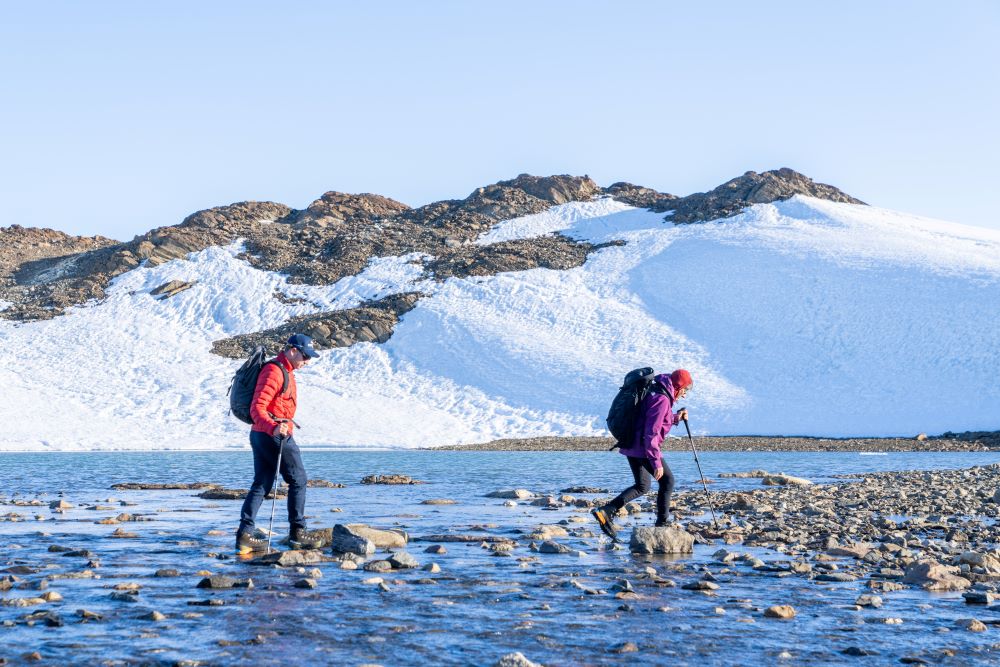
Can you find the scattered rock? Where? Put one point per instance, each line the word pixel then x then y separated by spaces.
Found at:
pixel 971 624
pixel 514 494
pixel 390 479
pixel 401 560
pixel 782 479
pixel 290 558
pixel 219 581
pixel 553 547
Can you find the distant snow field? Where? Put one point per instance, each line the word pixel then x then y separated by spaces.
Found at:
pixel 802 317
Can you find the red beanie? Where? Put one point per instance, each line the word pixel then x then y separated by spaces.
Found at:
pixel 680 379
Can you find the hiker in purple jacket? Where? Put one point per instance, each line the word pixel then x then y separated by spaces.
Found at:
pixel 656 417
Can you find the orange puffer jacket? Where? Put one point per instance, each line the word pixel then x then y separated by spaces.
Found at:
pixel 268 400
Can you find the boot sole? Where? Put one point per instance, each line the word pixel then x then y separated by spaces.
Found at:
pixel 606 527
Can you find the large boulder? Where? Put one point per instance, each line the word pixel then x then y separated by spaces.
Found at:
pixel 988 561
pixel 665 540
pixel 382 538
pixel 781 479
pixel 934 576
pixel 345 540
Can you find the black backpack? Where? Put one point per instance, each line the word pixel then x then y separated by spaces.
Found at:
pixel 245 381
pixel 625 407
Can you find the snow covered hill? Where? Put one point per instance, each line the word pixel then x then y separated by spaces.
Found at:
pixel 801 317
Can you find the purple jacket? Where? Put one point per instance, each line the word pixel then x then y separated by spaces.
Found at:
pixel 656 417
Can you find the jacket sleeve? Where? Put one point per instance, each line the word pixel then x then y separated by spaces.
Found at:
pixel 658 415
pixel 268 385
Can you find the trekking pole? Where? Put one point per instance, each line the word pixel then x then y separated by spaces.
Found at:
pixel 708 496
pixel 274 491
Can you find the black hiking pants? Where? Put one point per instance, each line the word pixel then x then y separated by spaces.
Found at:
pixel 642 472
pixel 265 461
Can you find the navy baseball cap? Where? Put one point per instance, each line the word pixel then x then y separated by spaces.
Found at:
pixel 303 344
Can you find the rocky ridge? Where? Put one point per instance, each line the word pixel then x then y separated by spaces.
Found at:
pixel 43 272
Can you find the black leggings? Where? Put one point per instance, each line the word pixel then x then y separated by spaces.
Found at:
pixel 642 471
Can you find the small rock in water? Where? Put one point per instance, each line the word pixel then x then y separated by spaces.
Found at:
pixel 60 505
pixel 553 547
pixel 166 573
pixel 401 560
pixel 784 480
pixel 515 660
pixel 700 585
pixel 858 652
pixel 390 479
pixel 222 581
pixel 515 494
pixel 868 601
pixel 433 568
pixel 154 616
pixel 436 549
pixel 783 611
pixel 378 566
pixel 978 597
pixel 625 647
pixel 971 624
pixel 348 565
pixel 439 501
pixel 306 583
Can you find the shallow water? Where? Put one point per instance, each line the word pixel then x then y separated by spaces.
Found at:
pixel 480 607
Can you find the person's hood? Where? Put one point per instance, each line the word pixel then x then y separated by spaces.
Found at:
pixel 665 380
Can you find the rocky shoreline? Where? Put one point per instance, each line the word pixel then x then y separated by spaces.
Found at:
pixel 949 442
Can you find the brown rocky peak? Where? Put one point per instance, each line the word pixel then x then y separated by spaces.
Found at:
pixel 334 207
pixel 553 189
pixel 236 215
pixel 30 244
pixel 753 188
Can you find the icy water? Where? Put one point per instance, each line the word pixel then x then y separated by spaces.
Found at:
pixel 478 608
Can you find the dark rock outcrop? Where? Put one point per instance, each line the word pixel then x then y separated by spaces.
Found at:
pixel 371 322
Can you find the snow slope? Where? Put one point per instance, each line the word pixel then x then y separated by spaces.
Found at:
pixel 799 317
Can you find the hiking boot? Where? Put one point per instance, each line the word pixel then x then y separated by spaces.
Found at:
pixel 247 542
pixel 605 519
pixel 300 538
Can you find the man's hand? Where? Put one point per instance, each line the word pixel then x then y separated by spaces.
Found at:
pixel 657 474
pixel 682 415
pixel 280 431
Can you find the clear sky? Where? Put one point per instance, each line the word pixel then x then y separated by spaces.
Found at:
pixel 118 117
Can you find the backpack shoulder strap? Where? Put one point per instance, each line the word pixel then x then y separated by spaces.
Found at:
pixel 284 374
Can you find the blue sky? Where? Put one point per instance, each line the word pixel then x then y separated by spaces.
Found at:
pixel 118 117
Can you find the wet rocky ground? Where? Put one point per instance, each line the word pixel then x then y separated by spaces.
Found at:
pixel 885 567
